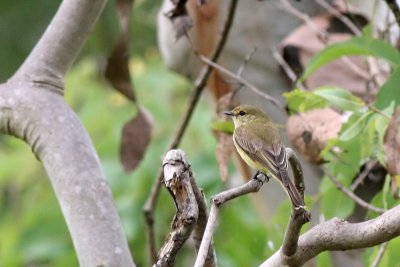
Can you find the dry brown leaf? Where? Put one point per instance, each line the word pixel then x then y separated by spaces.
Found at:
pixel 117 69
pixel 135 138
pixel 392 145
pixel 303 44
pixel 310 131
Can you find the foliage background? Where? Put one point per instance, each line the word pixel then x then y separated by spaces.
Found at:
pixel 32 229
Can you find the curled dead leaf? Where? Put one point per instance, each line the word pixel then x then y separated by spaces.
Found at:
pixel 391 145
pixel 136 135
pixel 117 68
pixel 310 131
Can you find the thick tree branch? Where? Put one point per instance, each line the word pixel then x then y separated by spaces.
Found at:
pixel 33 109
pixel 337 234
pixel 60 44
pixel 198 88
pixel 43 120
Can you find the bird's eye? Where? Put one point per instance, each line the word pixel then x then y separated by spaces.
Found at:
pixel 242 113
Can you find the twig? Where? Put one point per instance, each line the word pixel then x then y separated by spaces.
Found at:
pixel 371 107
pixel 360 178
pixel 243 81
pixel 200 227
pixel 339 15
pixel 307 20
pixel 198 88
pixel 379 256
pixel 207 237
pixel 288 70
pixel 245 62
pixel 251 186
pixel 353 196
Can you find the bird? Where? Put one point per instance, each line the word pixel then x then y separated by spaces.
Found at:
pixel 258 142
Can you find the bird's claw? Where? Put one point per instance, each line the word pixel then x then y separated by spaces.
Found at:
pixel 261 177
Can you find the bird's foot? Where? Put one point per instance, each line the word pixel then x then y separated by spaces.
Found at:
pixel 261 177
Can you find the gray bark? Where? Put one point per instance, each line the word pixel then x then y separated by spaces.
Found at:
pixel 33 109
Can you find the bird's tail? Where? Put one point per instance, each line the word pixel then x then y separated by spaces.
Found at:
pixel 294 195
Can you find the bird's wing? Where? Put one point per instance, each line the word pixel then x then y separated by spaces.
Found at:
pixel 271 157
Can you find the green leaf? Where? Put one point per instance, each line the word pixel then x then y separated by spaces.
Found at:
pixel 339 98
pixel 301 101
pixel 223 126
pixel 390 91
pixel 354 46
pixel 355 125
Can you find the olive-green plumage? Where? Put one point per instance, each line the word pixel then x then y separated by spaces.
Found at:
pixel 259 143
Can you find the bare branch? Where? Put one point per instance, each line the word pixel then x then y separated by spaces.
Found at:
pixel 353 196
pixel 288 70
pixel 244 82
pixel 200 227
pixel 245 62
pixel 207 237
pixel 381 252
pixel 58 139
pixel 337 234
pixel 339 15
pixel 253 185
pixel 177 178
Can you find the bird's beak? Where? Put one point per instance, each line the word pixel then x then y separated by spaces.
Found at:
pixel 229 113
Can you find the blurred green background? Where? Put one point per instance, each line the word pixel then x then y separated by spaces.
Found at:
pixel 32 230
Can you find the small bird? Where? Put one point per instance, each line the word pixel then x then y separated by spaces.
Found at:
pixel 259 143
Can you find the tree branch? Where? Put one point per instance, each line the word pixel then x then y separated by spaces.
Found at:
pixel 353 196
pixel 198 88
pixel 43 120
pixel 60 44
pixel 244 82
pixel 337 234
pixel 177 178
pixel 191 214
pixel 33 109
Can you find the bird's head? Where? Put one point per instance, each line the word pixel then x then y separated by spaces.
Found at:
pixel 245 114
